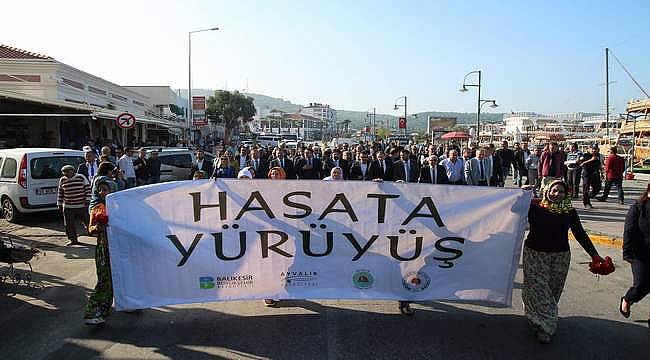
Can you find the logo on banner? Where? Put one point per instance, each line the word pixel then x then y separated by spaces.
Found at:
pixel 416 281
pixel 363 279
pixel 299 278
pixel 206 282
pixel 235 281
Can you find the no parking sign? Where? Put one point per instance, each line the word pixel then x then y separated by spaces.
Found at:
pixel 125 121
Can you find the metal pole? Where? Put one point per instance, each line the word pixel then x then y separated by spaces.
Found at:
pixel 374 123
pixel 405 115
pixel 478 111
pixel 607 92
pixel 189 85
pixel 633 142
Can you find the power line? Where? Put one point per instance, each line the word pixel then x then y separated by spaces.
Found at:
pixel 629 74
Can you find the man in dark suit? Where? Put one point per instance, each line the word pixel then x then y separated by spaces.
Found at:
pixel 259 165
pixel 360 169
pixel 381 168
pixel 433 173
pixel 328 163
pixel 88 168
pixel 201 164
pixel 405 169
pixel 342 163
pixel 308 167
pixel 286 164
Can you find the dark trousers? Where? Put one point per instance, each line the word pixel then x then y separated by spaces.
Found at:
pixel 482 183
pixel 608 187
pixel 590 188
pixel 459 182
pixel 72 217
pixel 573 179
pixel 641 282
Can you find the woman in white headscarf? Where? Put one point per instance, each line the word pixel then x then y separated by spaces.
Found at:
pixel 336 174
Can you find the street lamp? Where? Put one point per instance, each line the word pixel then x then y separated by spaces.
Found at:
pixel 190 114
pixel 479 101
pixel 397 106
pixel 373 121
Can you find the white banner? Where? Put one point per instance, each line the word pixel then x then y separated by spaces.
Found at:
pixel 200 241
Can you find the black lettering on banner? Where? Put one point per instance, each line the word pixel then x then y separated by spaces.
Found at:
pixel 433 212
pixel 256 195
pixel 381 205
pixel 295 205
pixel 340 197
pixel 218 246
pixel 185 254
pixel 197 207
pixel 264 241
pixel 360 250
pixel 447 262
pixel 394 240
pixel 306 244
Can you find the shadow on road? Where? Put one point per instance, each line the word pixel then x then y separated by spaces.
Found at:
pixel 440 331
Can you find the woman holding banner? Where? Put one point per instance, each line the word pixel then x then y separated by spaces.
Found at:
pixel 223 169
pixel 546 256
pixel 101 298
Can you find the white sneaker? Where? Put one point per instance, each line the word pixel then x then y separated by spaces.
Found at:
pixel 95 321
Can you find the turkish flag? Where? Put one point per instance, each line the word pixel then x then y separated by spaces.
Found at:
pixel 402 123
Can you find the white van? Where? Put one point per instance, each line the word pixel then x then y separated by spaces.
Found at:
pixel 29 179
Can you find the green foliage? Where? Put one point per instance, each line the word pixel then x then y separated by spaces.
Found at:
pixel 230 107
pixel 383 133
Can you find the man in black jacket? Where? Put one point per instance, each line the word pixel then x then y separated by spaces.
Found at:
pixel 381 168
pixel 201 164
pixel 88 168
pixel 360 169
pixel 340 162
pixel 404 169
pixel 259 165
pixel 309 167
pixel 432 173
pixel 507 157
pixel 285 163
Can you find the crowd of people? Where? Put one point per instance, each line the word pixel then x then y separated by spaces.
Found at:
pixel 555 174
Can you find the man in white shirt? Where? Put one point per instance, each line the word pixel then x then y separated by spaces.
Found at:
pixel 125 163
pixel 455 168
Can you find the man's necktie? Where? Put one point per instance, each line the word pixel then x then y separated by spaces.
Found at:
pixel 92 170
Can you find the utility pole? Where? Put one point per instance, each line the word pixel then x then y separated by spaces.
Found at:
pixel 607 92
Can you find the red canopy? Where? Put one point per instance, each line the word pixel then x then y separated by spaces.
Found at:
pixel 455 135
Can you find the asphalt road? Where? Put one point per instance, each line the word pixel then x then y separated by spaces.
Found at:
pixel 44 321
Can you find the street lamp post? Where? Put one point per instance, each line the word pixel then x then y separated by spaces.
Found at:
pixel 404 106
pixel 190 113
pixel 480 102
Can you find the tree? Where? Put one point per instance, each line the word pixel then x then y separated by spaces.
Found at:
pixel 233 108
pixel 383 133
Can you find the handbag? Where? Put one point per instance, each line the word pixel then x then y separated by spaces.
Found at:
pixel 601 267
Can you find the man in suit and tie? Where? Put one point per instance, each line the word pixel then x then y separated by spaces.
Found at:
pixel 405 169
pixel 342 163
pixel 308 167
pixel 285 163
pixel 360 169
pixel 88 168
pixel 258 164
pixel 477 170
pixel 433 173
pixel 381 168
pixel 201 164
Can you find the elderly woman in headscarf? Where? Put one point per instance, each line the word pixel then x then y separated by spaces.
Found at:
pixel 546 256
pixel 336 174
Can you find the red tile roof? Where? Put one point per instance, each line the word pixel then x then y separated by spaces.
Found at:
pixel 8 52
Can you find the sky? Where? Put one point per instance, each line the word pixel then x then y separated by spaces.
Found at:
pixel 542 56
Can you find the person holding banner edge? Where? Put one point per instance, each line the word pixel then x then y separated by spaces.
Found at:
pixel 546 256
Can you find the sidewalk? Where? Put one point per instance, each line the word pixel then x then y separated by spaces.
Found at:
pixel 604 222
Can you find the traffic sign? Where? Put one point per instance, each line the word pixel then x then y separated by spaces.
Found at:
pixel 125 121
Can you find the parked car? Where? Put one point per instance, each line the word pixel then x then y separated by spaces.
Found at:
pixel 29 179
pixel 176 163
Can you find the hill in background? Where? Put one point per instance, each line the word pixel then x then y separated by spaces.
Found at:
pixel 358 119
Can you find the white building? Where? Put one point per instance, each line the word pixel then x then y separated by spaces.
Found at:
pixel 323 112
pixel 64 106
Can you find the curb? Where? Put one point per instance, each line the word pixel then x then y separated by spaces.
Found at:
pixel 601 239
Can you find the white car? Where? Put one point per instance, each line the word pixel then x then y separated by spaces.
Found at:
pixel 29 179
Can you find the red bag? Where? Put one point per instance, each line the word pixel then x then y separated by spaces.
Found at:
pixel 604 267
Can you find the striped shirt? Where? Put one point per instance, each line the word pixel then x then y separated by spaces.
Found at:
pixel 74 192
